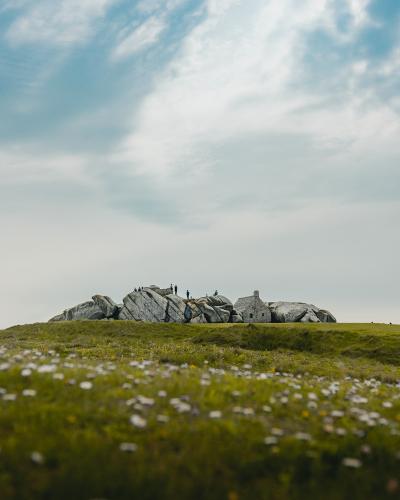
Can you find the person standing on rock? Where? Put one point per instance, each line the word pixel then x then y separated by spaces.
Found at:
pixel 171 288
pixel 187 294
pixel 176 290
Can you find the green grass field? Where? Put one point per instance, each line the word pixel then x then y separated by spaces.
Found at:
pixel 121 410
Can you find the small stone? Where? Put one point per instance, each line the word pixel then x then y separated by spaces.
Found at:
pixel 271 440
pixel 26 372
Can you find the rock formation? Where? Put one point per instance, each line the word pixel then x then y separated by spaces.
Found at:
pixel 88 310
pixel 159 305
pixel 291 312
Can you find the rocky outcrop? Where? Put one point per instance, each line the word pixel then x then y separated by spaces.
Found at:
pixel 161 291
pixel 292 312
pixel 146 305
pixel 155 304
pixel 325 316
pixel 215 309
pixel 108 307
pixel 86 311
pixel 196 312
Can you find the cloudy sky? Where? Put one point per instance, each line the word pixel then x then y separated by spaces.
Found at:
pixel 229 144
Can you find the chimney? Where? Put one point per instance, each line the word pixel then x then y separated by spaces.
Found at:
pixel 256 293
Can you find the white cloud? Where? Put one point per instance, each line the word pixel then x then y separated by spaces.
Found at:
pixel 142 37
pixel 23 165
pixel 149 6
pixel 234 76
pixel 58 22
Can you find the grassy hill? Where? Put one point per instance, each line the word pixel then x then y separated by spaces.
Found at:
pixel 123 410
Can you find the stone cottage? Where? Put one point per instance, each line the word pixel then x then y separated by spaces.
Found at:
pixel 253 309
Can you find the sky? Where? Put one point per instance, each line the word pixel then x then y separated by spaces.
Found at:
pixel 217 144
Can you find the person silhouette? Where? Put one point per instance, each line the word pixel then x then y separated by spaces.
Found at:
pixel 176 290
pixel 187 294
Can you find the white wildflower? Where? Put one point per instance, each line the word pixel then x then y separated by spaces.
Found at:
pixel 29 393
pixel 215 414
pixel 138 421
pixel 86 385
pixel 353 463
pixel 37 458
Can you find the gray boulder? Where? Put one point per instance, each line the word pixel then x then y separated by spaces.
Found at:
pixel 208 312
pixel 291 312
pixel 177 310
pixel 109 308
pixel 236 318
pixel 150 305
pixel 288 312
pixel 218 301
pixel 310 317
pixel 86 311
pixel 146 305
pixel 215 309
pixel 325 316
pixel 196 313
pixel 161 291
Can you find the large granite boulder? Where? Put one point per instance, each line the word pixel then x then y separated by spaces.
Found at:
pixel 215 309
pixel 109 308
pixel 325 316
pixel 177 310
pixel 291 312
pixel 161 291
pixel 150 305
pixel 196 313
pixel 218 301
pixel 146 305
pixel 236 317
pixel 86 311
